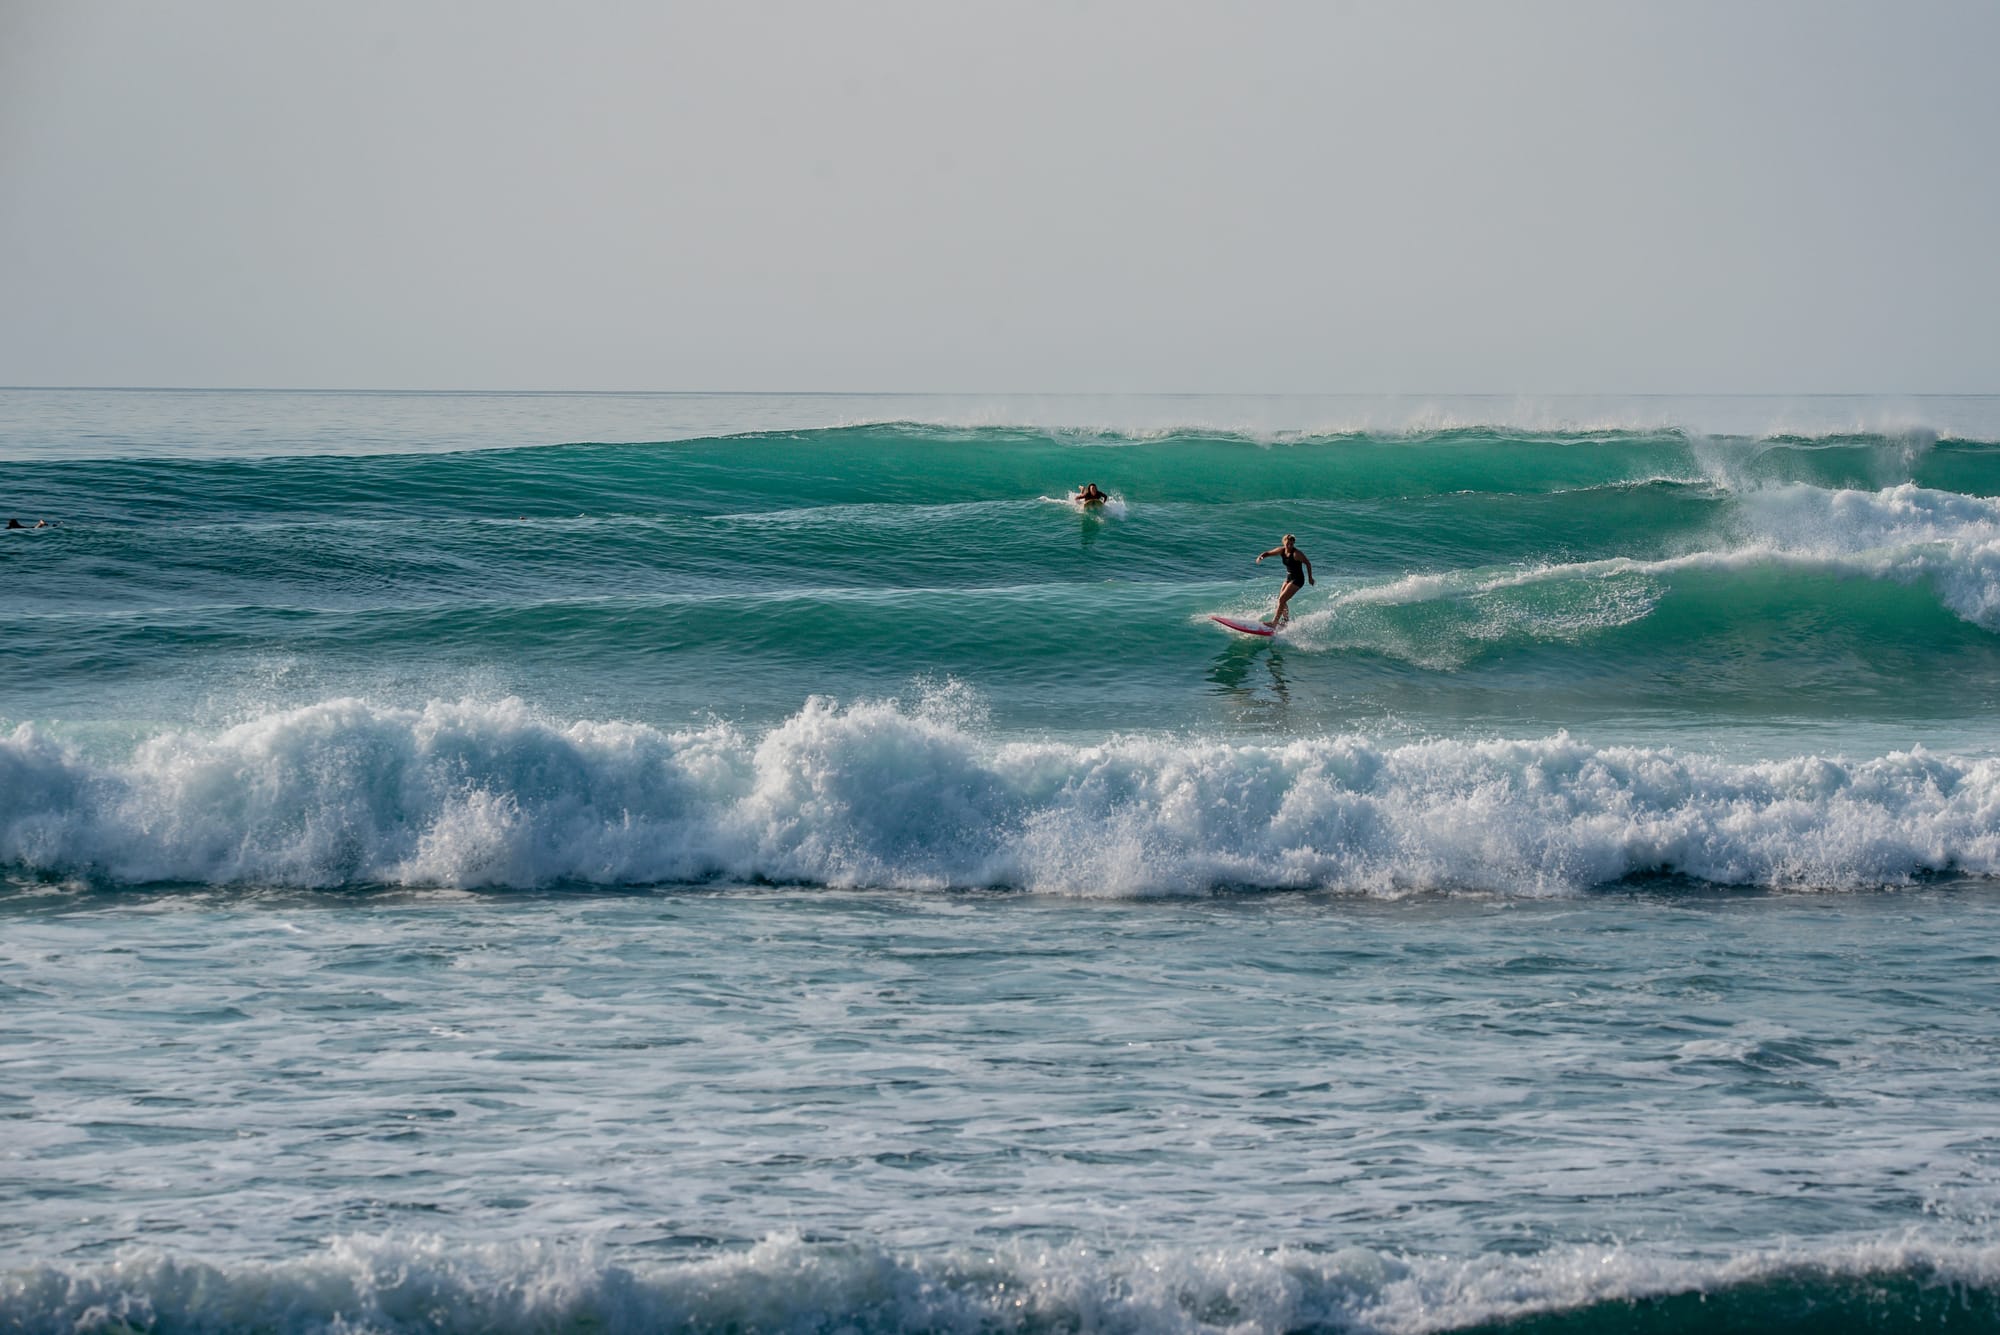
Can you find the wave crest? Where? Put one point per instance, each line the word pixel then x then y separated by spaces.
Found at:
pixel 362 1284
pixel 1907 535
pixel 493 794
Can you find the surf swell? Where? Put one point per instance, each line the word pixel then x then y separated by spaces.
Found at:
pixel 363 1284
pixel 492 794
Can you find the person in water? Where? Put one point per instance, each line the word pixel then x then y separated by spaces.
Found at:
pixel 1090 495
pixel 1298 574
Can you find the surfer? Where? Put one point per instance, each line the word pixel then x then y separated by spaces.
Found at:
pixel 1298 574
pixel 1090 495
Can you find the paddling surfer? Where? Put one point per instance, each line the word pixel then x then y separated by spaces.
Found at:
pixel 1298 574
pixel 1090 495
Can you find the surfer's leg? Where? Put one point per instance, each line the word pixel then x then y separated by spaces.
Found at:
pixel 1284 613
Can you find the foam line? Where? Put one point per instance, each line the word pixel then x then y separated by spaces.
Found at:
pixel 492 794
pixel 390 1284
pixel 1905 534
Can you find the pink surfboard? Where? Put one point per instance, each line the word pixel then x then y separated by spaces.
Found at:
pixel 1247 627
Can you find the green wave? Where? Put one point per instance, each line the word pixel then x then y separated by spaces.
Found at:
pixel 1462 574
pixel 907 465
pixel 1807 1302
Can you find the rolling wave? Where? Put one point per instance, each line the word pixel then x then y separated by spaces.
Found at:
pixel 908 464
pixel 1470 580
pixel 1791 544
pixel 391 1284
pixel 493 795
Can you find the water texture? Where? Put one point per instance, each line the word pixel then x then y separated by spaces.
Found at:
pixel 770 863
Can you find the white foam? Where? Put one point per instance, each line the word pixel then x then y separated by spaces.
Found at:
pixel 1904 534
pixel 370 1284
pixel 490 793
pixel 1282 418
pixel 1113 505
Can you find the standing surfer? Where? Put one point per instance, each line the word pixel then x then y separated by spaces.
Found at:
pixel 1298 574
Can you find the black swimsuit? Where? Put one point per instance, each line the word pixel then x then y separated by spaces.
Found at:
pixel 1295 573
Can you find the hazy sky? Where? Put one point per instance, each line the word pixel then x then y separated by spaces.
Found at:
pixel 1394 197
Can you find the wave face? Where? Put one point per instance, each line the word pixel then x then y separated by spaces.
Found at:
pixel 234 653
pixel 783 1284
pixel 1641 596
pixel 784 656
pixel 492 795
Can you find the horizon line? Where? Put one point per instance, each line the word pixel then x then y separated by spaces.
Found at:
pixel 1020 393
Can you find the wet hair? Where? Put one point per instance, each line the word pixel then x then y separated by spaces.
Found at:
pixel 1290 538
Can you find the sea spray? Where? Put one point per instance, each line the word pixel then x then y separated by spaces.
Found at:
pixel 944 1024
pixel 384 1285
pixel 492 793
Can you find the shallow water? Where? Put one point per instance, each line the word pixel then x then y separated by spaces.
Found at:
pixel 996 1080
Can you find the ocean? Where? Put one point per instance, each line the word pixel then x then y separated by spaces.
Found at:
pixel 619 862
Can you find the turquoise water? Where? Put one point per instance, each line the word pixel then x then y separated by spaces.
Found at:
pixel 772 863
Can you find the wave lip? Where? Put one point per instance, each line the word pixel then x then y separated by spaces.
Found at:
pixel 493 794
pixel 362 1284
pixel 1913 536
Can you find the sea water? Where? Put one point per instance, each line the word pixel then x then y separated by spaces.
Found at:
pixel 773 863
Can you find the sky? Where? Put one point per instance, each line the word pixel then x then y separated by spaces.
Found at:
pixel 1397 197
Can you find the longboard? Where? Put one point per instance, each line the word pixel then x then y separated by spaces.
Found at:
pixel 1247 627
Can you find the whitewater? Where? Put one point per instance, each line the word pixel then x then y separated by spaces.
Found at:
pixel 771 863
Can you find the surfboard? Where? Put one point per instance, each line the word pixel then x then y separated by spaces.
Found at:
pixel 1247 627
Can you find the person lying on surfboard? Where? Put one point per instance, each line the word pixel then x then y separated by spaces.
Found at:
pixel 1295 580
pixel 1090 495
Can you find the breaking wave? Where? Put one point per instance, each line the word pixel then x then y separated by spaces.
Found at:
pixel 494 794
pixel 364 1284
